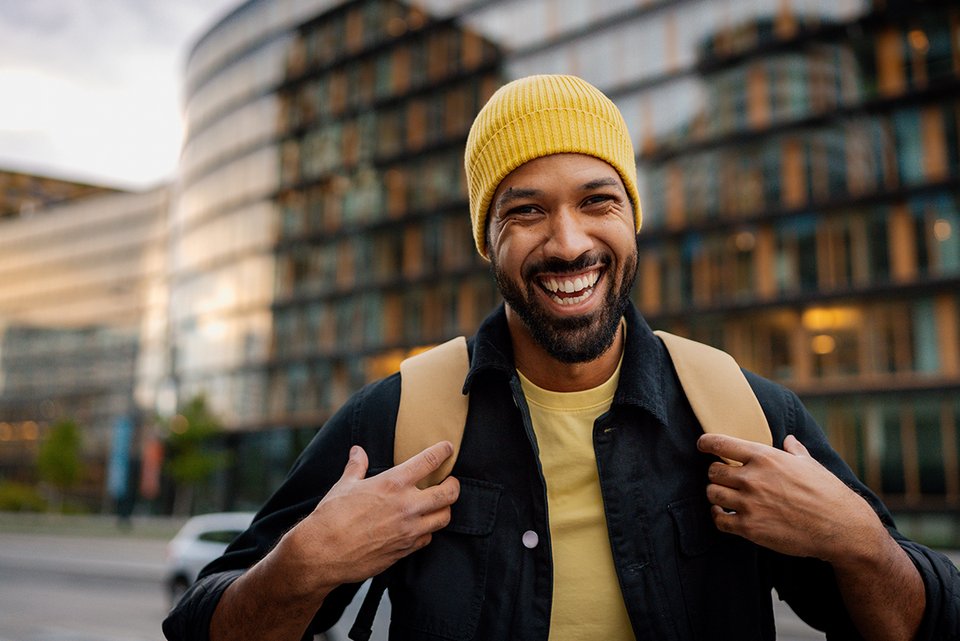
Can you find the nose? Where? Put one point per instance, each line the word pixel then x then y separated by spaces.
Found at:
pixel 568 237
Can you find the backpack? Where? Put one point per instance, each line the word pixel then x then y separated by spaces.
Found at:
pixel 433 408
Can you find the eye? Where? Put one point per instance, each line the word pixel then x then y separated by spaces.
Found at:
pixel 597 199
pixel 521 210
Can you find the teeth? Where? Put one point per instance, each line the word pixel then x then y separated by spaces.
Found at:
pixel 573 300
pixel 572 285
pixel 583 284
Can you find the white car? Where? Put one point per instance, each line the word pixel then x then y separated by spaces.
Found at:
pixel 201 539
pixel 204 538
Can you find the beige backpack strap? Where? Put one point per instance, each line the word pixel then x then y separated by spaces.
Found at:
pixel 717 390
pixel 433 406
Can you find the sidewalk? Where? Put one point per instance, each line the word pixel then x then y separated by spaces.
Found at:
pixel 90 525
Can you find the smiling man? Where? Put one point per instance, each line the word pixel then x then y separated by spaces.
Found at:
pixel 585 502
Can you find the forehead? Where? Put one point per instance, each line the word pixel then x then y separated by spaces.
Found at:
pixel 567 170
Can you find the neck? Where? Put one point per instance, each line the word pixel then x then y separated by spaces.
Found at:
pixel 543 370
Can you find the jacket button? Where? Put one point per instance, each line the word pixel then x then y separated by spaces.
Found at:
pixel 530 539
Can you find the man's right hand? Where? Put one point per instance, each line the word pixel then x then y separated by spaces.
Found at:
pixel 359 529
pixel 365 525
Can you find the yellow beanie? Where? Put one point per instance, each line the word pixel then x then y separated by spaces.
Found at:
pixel 539 116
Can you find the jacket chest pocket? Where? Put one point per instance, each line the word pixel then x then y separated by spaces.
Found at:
pixel 438 592
pixel 693 526
pixel 716 576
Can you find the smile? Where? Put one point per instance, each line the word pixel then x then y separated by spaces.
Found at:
pixel 571 289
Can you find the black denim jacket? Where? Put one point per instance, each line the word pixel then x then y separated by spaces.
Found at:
pixel 680 577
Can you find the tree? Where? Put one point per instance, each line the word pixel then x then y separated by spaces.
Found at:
pixel 60 461
pixel 191 457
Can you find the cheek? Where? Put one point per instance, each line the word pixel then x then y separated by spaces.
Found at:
pixel 510 247
pixel 623 220
pixel 628 244
pixel 618 236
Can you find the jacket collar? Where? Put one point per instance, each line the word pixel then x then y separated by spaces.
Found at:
pixel 641 376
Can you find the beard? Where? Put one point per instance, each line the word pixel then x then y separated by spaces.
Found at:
pixel 574 339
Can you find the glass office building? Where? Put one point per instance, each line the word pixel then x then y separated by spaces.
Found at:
pixel 82 330
pixel 806 218
pixel 320 233
pixel 798 163
pixel 21 194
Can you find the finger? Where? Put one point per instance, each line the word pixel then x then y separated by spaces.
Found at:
pixel 725 521
pixel 411 545
pixel 439 496
pixel 729 448
pixel 792 445
pixel 356 468
pixel 421 542
pixel 422 464
pixel 724 498
pixel 726 475
pixel 436 520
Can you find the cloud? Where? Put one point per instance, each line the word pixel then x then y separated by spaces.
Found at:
pixel 99 82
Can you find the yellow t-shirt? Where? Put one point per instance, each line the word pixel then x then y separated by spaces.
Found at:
pixel 587 603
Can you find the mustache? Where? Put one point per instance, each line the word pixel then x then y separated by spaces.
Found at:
pixel 555 265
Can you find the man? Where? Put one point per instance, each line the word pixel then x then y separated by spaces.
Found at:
pixel 585 502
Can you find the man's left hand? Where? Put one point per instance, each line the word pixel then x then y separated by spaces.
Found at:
pixel 785 500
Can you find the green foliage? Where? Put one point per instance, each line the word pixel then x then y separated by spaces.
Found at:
pixel 191 459
pixel 195 465
pixel 60 461
pixel 18 497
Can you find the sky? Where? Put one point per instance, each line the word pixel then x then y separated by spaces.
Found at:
pixel 90 90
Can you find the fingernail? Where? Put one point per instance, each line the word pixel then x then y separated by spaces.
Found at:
pixel 354 451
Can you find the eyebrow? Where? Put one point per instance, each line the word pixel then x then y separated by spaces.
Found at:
pixel 600 182
pixel 514 193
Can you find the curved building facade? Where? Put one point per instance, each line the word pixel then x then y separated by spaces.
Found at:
pixel 798 163
pixel 321 230
pixel 807 217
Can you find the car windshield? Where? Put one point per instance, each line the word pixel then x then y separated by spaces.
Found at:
pixel 219 536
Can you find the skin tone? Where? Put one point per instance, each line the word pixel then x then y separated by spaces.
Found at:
pixel 562 243
pixel 360 528
pixel 563 207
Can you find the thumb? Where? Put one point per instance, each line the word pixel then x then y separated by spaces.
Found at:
pixel 356 467
pixel 794 446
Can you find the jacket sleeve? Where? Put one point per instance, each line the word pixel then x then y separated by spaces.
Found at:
pixel 808 585
pixel 316 470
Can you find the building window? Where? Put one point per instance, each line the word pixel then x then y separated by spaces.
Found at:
pixel 835 340
pixel 797 254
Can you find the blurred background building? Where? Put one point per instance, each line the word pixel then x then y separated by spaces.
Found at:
pixel 81 322
pixel 799 162
pixel 22 194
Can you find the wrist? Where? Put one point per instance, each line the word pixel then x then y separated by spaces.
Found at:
pixel 296 562
pixel 270 601
pixel 861 546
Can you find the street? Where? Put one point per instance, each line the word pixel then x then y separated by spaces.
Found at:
pixel 56 588
pixel 62 588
